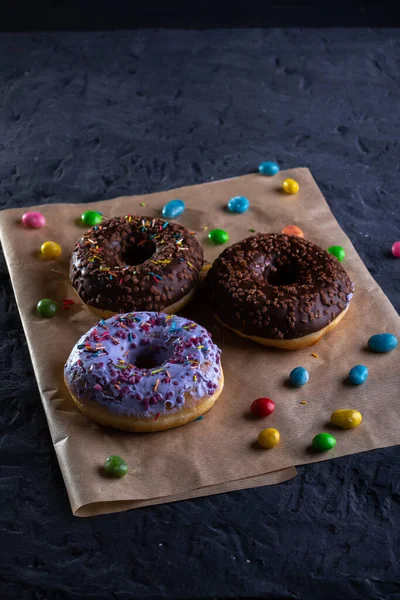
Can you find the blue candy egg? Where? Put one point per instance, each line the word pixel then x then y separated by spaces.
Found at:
pixel 382 342
pixel 238 204
pixel 173 209
pixel 268 168
pixel 358 374
pixel 299 376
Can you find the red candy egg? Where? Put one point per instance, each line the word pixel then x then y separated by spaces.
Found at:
pixel 262 407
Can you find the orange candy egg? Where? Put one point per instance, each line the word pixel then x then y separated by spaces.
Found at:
pixel 293 230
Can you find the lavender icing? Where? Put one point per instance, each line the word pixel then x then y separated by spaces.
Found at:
pixel 142 363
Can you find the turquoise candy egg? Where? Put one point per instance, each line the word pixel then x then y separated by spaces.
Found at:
pixel 382 342
pixel 173 209
pixel 299 376
pixel 238 204
pixel 268 168
pixel 358 374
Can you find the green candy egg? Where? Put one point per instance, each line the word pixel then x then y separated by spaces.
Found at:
pixel 323 442
pixel 218 236
pixel 337 251
pixel 91 217
pixel 115 466
pixel 46 307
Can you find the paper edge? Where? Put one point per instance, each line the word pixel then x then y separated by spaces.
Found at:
pixel 93 509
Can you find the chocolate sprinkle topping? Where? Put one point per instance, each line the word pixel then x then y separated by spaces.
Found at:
pixel 135 264
pixel 277 287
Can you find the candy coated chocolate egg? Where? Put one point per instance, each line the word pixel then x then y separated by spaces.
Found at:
pixel 115 466
pixel 293 230
pixel 299 376
pixel 337 251
pixel 358 374
pixel 347 418
pixel 382 342
pixel 173 209
pixel 50 250
pixel 33 219
pixel 91 218
pixel 290 186
pixel 238 204
pixel 268 168
pixel 46 307
pixel 323 442
pixel 262 407
pixel 218 236
pixel 396 249
pixel 268 438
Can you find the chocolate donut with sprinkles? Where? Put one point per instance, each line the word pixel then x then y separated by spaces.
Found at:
pixel 279 290
pixel 135 264
pixel 144 371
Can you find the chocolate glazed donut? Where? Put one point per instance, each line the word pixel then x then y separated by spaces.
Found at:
pixel 130 263
pixel 279 290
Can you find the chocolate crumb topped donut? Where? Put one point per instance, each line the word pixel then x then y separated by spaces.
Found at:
pixel 135 263
pixel 279 290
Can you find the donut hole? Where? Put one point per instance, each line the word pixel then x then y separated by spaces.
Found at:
pixel 151 360
pixel 286 274
pixel 137 254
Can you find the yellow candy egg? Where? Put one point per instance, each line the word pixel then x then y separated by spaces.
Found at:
pixel 346 418
pixel 268 438
pixel 290 186
pixel 50 250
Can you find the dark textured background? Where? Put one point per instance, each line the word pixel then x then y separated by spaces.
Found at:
pixel 91 116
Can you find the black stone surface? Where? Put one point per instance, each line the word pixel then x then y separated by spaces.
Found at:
pixel 91 116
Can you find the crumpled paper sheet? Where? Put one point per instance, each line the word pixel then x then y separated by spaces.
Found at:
pixel 218 453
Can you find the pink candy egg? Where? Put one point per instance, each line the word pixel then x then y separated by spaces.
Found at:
pixel 396 249
pixel 33 219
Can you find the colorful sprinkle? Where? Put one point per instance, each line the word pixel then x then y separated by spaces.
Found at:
pixel 268 168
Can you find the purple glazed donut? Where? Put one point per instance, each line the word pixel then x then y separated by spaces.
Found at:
pixel 144 371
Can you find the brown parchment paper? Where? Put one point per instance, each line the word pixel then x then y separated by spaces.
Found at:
pixel 218 453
